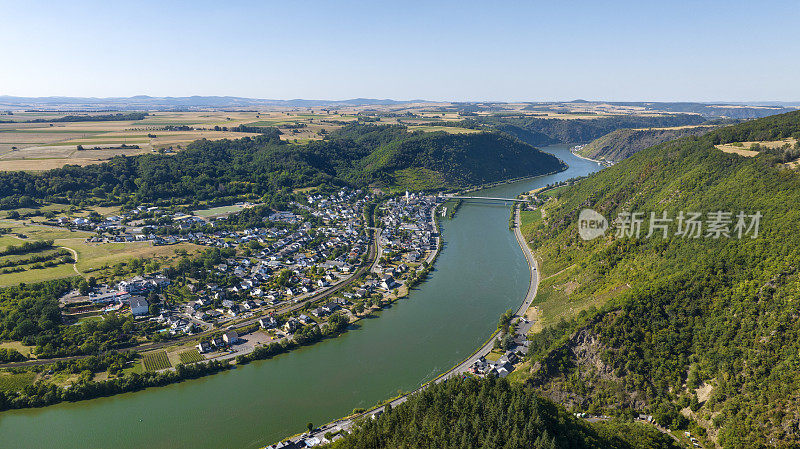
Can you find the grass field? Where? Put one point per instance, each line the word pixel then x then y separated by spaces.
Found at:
pixel 7 240
pixel 39 232
pixel 18 257
pixel 155 361
pixel 32 276
pixel 530 219
pixel 15 382
pixel 447 129
pixel 191 356
pixel 743 148
pixel 18 346
pixel 91 256
pixel 214 211
pixel 493 356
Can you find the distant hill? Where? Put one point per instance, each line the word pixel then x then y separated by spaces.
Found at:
pixel 145 101
pixel 623 143
pixel 546 131
pixel 725 110
pixel 139 102
pixel 490 413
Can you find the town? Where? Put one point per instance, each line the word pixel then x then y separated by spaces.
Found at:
pixel 317 263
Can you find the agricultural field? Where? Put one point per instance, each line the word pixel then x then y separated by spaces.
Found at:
pixel 15 382
pixel 155 361
pixel 99 259
pixel 41 146
pixel 447 129
pixel 191 356
pixel 219 211
pixel 743 148
pixel 17 346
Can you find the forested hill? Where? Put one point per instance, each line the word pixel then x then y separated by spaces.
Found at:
pixel 622 143
pixel 491 414
pixel 440 160
pixel 546 131
pixel 700 332
pixel 264 166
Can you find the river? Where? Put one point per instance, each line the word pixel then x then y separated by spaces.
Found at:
pixel 480 273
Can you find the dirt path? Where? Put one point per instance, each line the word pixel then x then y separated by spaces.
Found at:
pixel 556 274
pixel 74 256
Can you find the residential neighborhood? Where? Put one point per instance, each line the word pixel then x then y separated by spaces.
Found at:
pixel 272 281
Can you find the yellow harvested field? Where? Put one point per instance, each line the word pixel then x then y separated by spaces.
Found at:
pixel 40 146
pixel 447 129
pixel 793 165
pixel 676 127
pixel 736 150
pixel 43 164
pixel 741 148
pixel 92 256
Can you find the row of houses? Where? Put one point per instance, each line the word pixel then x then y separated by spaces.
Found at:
pixel 223 341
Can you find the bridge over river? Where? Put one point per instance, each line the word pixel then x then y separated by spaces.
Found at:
pixel 482 198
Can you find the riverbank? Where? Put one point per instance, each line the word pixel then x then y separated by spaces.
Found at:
pixel 345 424
pixel 602 162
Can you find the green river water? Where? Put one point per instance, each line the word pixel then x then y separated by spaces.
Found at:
pixel 480 273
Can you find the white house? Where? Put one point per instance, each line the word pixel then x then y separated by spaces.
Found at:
pixel 268 322
pixel 138 305
pixel 230 337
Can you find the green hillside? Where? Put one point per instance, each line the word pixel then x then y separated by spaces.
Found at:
pixel 546 131
pixel 455 159
pixel 622 143
pixel 491 414
pixel 701 332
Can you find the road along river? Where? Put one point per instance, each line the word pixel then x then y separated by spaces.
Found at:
pixel 480 273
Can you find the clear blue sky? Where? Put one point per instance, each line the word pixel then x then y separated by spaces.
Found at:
pixel 438 50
